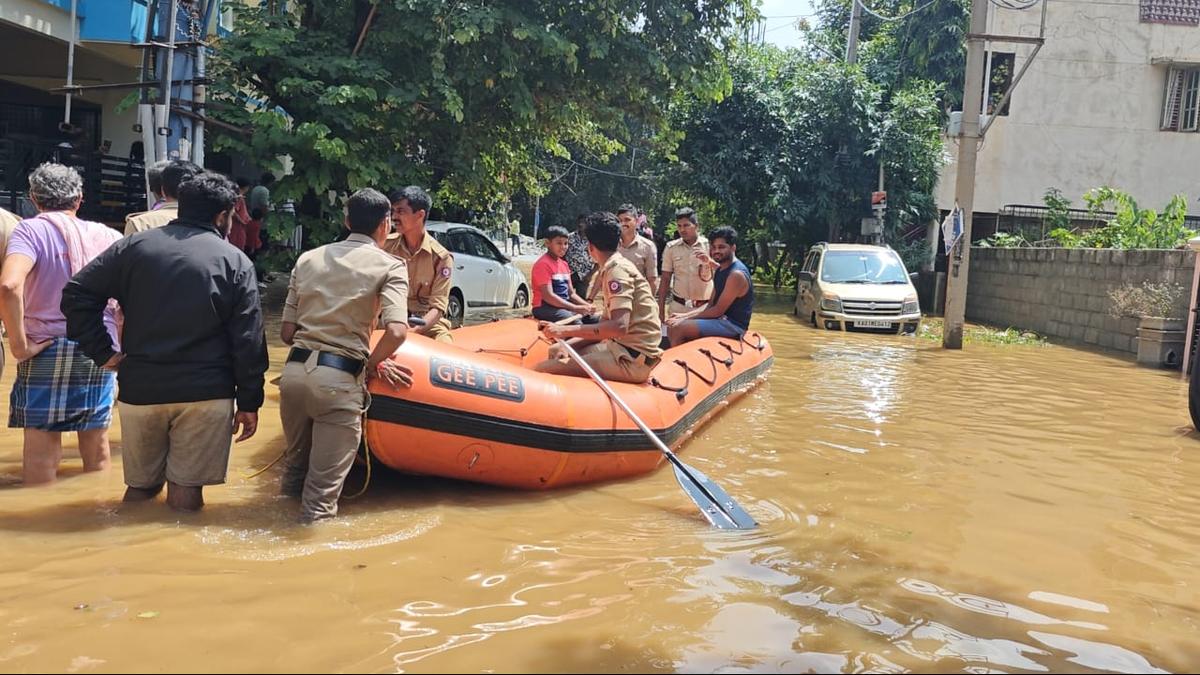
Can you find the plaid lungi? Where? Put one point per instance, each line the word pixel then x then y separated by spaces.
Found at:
pixel 60 389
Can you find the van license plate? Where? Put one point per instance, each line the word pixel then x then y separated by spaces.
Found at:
pixel 872 324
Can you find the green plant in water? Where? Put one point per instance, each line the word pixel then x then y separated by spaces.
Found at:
pixel 1147 300
pixel 931 329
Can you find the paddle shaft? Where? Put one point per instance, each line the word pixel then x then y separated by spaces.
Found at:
pixel 587 368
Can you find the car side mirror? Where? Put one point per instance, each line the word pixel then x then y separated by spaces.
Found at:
pixel 806 276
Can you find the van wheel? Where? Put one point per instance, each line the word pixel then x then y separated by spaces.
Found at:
pixel 522 298
pixel 454 308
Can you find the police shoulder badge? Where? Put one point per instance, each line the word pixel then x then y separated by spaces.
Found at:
pixel 445 271
pixel 614 286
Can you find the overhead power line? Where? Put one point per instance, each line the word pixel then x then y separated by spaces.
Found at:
pixel 905 15
pixel 1017 5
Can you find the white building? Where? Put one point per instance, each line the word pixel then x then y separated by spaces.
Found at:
pixel 1113 98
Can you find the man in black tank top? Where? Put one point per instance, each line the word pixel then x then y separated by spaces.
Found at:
pixel 728 314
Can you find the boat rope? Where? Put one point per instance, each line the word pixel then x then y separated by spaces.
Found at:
pixel 263 470
pixel 680 392
pixel 522 351
pixel 728 363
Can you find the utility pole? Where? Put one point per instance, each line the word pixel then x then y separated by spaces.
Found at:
pixel 855 27
pixel 964 185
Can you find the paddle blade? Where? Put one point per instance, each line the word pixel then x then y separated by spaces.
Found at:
pixel 717 506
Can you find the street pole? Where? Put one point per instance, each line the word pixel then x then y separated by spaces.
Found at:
pixel 964 186
pixel 855 26
pixel 71 62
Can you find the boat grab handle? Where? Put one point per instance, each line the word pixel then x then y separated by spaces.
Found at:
pixel 680 392
pixel 760 346
pixel 728 363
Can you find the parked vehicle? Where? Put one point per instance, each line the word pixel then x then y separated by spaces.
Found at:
pixel 857 287
pixel 483 278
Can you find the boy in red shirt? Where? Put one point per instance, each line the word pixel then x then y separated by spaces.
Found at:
pixel 553 297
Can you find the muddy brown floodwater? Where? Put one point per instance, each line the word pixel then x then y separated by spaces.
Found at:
pixel 1005 508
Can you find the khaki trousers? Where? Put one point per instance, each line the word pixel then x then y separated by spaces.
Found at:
pixel 185 443
pixel 610 360
pixel 440 331
pixel 321 409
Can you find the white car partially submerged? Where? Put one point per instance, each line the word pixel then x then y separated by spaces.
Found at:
pixel 483 278
pixel 857 287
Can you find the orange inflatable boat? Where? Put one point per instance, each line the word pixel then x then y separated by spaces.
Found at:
pixel 477 410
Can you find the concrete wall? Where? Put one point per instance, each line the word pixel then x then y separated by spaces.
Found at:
pixel 1063 293
pixel 1087 112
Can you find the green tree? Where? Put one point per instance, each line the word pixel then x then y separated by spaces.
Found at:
pixel 466 97
pixel 793 153
pixel 926 45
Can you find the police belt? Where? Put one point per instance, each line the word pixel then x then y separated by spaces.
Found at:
pixel 684 301
pixel 342 363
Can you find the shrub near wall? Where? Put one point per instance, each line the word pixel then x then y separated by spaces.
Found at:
pixel 1064 293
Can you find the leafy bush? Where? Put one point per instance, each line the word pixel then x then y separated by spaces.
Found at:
pixel 1003 240
pixel 1132 226
pixel 1149 299
pixel 1058 214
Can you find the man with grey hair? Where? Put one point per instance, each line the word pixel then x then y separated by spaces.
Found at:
pixel 57 387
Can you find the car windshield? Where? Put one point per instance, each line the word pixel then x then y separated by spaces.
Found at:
pixel 863 267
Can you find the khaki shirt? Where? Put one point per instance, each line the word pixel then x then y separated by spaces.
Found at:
pixel 623 287
pixel 337 290
pixel 429 269
pixel 690 278
pixel 643 254
pixel 8 221
pixel 148 220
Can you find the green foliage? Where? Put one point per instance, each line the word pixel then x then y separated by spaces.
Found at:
pixel 928 46
pixel 793 152
pixel 1132 226
pixel 1058 207
pixel 278 259
pixel 1003 240
pixel 915 253
pixel 780 274
pixel 466 99
pixel 931 329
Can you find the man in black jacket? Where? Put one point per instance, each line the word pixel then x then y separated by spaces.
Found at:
pixel 193 341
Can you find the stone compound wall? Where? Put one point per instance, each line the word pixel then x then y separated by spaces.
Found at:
pixel 1063 293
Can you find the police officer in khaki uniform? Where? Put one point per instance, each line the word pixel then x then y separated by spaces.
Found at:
pixel 687 282
pixel 624 346
pixel 639 250
pixel 173 175
pixel 335 294
pixel 429 263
